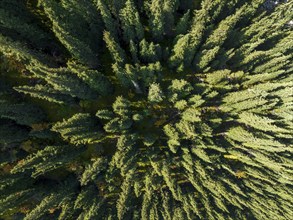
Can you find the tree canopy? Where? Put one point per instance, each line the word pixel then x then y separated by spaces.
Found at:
pixel 156 109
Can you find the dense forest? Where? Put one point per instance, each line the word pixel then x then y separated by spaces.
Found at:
pixel 146 109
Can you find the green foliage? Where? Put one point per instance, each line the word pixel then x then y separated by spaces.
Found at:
pixel 260 123
pixel 46 160
pixel 45 92
pixel 64 82
pixel 20 24
pixel 21 52
pixel 183 24
pixel 110 23
pixel 217 38
pixel 79 129
pixel 157 109
pixel 155 93
pixel 22 113
pixel 149 52
pixel 156 19
pixel 116 51
pixel 186 45
pixel 11 133
pixel 92 172
pixel 121 106
pixel 52 201
pixel 80 41
pixel 94 79
pixel 132 28
pixel 179 89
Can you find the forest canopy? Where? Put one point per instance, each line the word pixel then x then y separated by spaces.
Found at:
pixel 155 109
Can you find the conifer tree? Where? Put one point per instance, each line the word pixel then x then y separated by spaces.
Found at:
pixel 45 92
pixel 19 24
pixel 48 159
pixel 132 28
pixel 110 23
pixel 11 133
pixel 63 81
pixel 22 113
pixel 21 52
pixel 186 45
pixel 96 81
pixel 155 93
pixel 150 109
pixel 79 129
pixel 149 52
pixel 116 51
pixel 77 39
pixel 183 24
pixel 92 172
pixel 156 19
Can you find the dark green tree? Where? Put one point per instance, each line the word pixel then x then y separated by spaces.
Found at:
pixel 22 113
pixel 80 41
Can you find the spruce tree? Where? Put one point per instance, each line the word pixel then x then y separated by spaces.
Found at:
pixel 80 41
pixel 131 25
pixel 157 109
pixel 79 129
pixel 22 113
